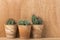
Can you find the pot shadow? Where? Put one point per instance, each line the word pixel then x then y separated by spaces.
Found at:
pixel 31 35
pixel 43 35
pixel 17 32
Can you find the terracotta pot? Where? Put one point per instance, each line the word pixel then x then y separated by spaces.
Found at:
pixel 24 31
pixel 37 31
pixel 10 31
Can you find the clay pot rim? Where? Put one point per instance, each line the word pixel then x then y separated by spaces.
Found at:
pixel 38 24
pixel 9 25
pixel 24 25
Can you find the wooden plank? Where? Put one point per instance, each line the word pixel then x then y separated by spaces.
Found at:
pixel 3 16
pixel 14 9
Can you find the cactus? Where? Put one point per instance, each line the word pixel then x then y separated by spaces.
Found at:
pixel 23 22
pixel 26 22
pixel 10 22
pixel 36 20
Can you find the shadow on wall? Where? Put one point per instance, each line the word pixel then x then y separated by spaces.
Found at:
pixel 43 32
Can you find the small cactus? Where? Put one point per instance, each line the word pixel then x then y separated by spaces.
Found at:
pixel 23 22
pixel 26 22
pixel 36 20
pixel 10 22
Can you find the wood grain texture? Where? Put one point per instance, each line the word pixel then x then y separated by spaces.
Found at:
pixel 48 10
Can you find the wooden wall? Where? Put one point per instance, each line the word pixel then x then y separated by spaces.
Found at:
pixel 48 10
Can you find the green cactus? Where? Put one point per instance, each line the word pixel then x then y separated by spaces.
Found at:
pixel 23 22
pixel 26 22
pixel 10 22
pixel 36 20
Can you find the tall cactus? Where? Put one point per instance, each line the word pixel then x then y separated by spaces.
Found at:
pixel 36 20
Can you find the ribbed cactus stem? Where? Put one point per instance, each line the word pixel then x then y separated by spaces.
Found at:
pixel 23 22
pixel 36 20
pixel 10 22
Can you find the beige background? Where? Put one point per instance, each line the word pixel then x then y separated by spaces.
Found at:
pixel 48 10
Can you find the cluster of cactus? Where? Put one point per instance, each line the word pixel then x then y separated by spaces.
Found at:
pixel 10 22
pixel 24 22
pixel 36 20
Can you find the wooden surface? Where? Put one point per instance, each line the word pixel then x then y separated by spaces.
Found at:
pixel 30 39
pixel 48 10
